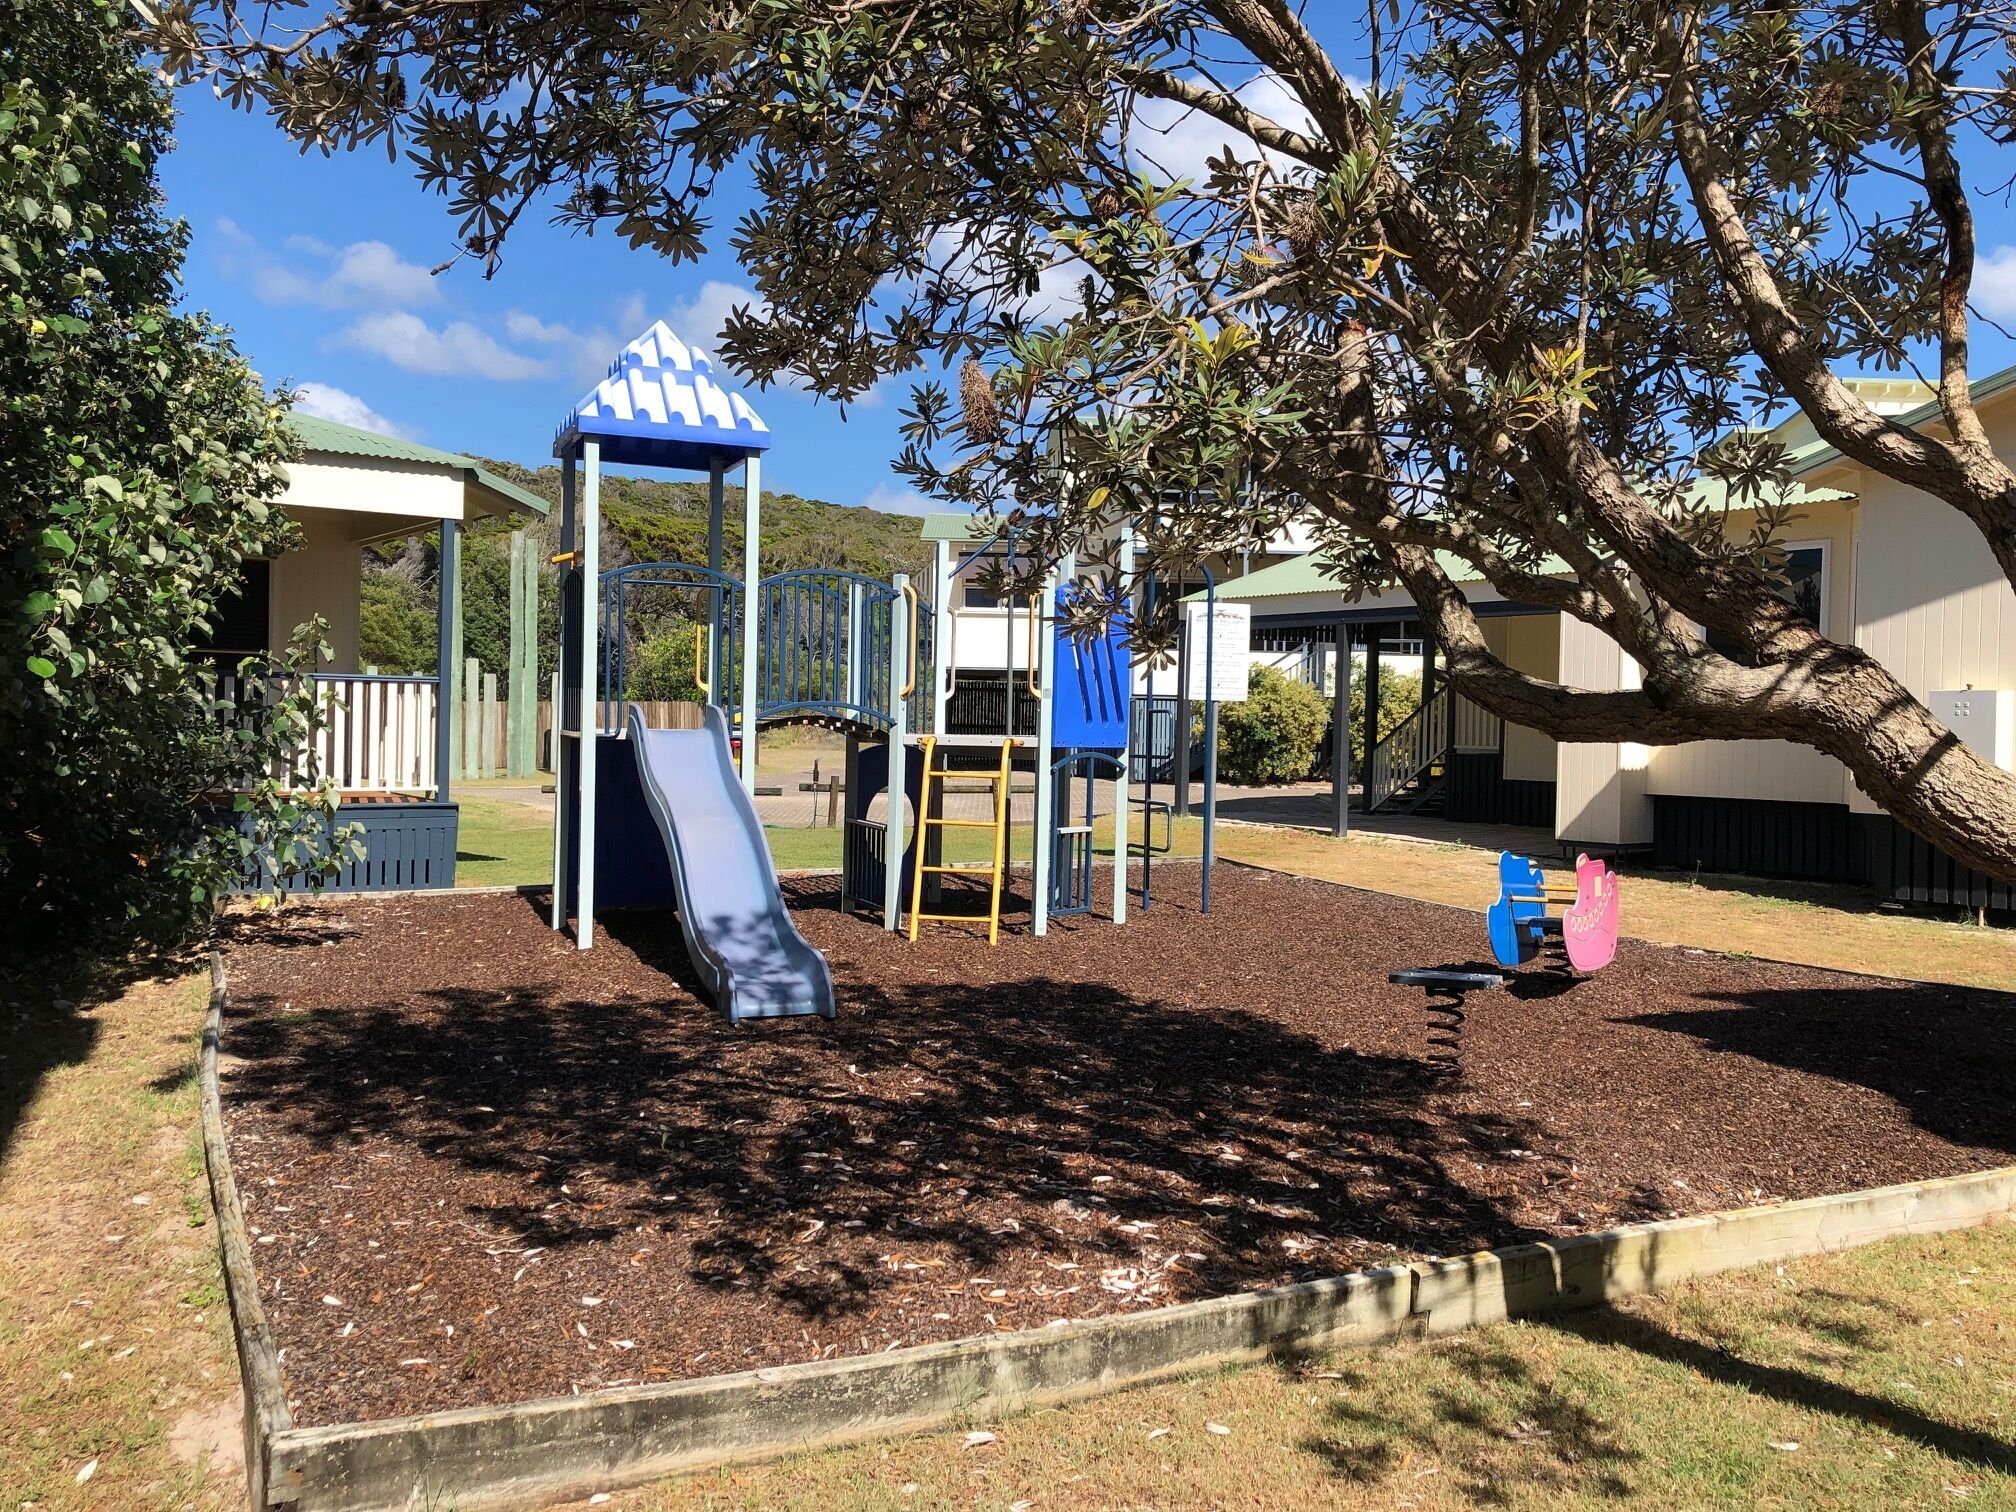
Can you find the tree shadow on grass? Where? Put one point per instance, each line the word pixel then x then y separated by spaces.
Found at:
pixel 1523 1428
pixel 1795 1388
pixel 46 1017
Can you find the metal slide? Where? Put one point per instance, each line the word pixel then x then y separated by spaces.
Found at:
pixel 737 930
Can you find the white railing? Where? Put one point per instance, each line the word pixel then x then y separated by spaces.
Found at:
pixel 1477 728
pixel 1416 743
pixel 380 734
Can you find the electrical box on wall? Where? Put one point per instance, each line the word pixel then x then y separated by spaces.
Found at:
pixel 1983 717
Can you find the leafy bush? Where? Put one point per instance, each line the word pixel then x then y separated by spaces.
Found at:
pixel 663 666
pixel 396 624
pixel 139 458
pixel 1275 734
pixel 1399 696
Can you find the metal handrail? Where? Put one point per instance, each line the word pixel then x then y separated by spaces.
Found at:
pixel 1035 645
pixel 1415 744
pixel 910 686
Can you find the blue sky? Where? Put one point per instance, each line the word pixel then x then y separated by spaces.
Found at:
pixel 320 264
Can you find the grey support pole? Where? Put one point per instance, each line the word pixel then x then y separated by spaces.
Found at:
pixel 1340 735
pixel 717 631
pixel 563 764
pixel 941 662
pixel 1120 796
pixel 451 590
pixel 893 844
pixel 752 609
pixel 1044 666
pixel 447 601
pixel 590 562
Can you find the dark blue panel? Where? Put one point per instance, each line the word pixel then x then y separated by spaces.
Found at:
pixel 631 867
pixel 1091 686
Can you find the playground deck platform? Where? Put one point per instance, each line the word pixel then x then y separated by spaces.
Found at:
pixel 481 1167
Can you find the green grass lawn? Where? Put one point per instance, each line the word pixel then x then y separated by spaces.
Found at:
pixel 1881 1378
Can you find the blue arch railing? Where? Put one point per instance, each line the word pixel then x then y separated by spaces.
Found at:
pixel 822 641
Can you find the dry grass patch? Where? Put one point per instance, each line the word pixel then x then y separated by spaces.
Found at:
pixel 1881 1378
pixel 115 1349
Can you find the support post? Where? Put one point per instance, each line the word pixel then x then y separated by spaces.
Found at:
pixel 565 775
pixel 447 624
pixel 590 561
pixel 472 717
pixel 1340 735
pixel 893 843
pixel 1374 635
pixel 1120 796
pixel 517 695
pixel 1181 775
pixel 717 631
pixel 941 660
pixel 1045 668
pixel 486 744
pixel 451 588
pixel 1210 737
pixel 752 609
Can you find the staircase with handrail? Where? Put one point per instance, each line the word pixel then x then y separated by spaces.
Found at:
pixel 1404 770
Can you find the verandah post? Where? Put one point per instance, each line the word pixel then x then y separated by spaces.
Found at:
pixel 447 646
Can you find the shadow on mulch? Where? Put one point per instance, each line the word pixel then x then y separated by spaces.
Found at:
pixel 1946 1055
pixel 1026 1083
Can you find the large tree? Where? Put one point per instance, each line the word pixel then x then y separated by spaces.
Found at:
pixel 139 457
pixel 1512 302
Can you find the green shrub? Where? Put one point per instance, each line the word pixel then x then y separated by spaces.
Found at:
pixel 1274 735
pixel 1399 696
pixel 139 460
pixel 663 666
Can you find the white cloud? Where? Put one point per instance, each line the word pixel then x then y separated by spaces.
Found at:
pixel 698 320
pixel 1176 141
pixel 232 232
pixel 457 350
pixel 1056 286
pixel 893 499
pixel 331 403
pixel 365 275
pixel 1995 282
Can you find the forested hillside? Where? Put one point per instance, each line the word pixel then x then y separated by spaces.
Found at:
pixel 644 520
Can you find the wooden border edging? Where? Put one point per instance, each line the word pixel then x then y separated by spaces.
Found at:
pixel 266 1413
pixel 529 1454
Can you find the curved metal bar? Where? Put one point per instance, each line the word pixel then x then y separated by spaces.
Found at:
pixel 690 569
pixel 910 686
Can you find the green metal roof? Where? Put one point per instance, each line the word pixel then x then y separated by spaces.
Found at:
pixel 957 528
pixel 1819 453
pixel 318 434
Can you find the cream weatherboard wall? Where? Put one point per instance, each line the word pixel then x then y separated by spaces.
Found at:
pixel 1529 643
pixel 1932 605
pixel 1776 770
pixel 321 576
pixel 1600 795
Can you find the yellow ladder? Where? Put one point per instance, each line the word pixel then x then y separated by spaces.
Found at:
pixel 999 824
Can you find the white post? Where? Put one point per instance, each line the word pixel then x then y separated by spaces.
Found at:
pixel 1120 817
pixel 857 658
pixel 591 676
pixel 1045 666
pixel 562 773
pixel 941 651
pixel 752 534
pixel 899 760
pixel 717 503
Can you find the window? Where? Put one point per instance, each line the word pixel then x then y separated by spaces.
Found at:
pixel 1805 589
pixel 977 595
pixel 238 628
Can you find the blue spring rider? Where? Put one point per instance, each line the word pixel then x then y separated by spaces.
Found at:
pixel 1587 927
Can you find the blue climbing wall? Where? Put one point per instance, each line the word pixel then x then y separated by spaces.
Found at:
pixel 1092 683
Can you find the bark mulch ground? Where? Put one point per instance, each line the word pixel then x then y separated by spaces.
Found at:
pixel 483 1167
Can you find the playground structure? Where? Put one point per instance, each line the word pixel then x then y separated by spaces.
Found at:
pixel 656 818
pixel 1587 926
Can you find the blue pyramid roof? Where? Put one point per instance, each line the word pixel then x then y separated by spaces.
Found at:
pixel 663 406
